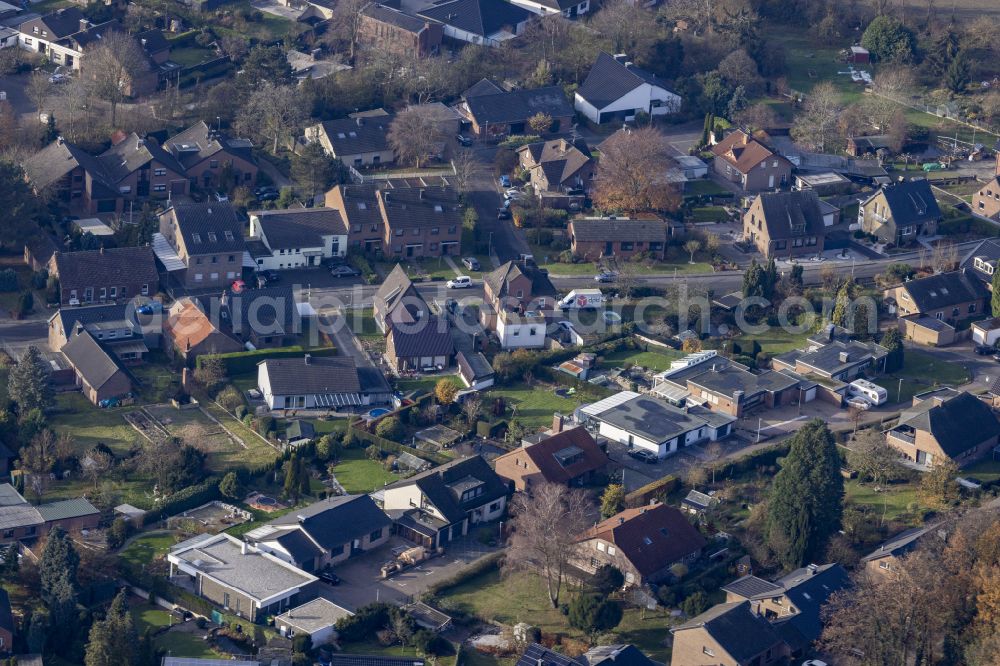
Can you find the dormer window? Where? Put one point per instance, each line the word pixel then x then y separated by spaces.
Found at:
pixel 212 238
pixel 228 235
pixel 196 238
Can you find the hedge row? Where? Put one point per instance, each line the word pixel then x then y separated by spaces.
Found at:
pixel 188 498
pixel 238 363
pixel 658 489
pixel 396 447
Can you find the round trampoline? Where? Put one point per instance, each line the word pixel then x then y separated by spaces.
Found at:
pixel 266 501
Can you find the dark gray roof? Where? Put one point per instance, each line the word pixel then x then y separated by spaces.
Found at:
pixel 341 659
pixel 440 486
pixel 59 158
pixel 987 251
pixel 300 429
pixel 808 589
pixel 115 266
pixel 299 227
pixel 132 153
pixel 395 17
pixel 352 136
pixel 736 628
pixel 482 87
pixel 474 365
pixel 911 202
pixel 123 313
pixel 479 17
pixel 420 208
pixel 900 544
pixel 499 279
pixel 609 80
pixel 152 41
pixel 6 617
pixel 397 299
pixel 200 142
pixel 204 227
pixel 827 358
pixel 60 23
pixel 651 419
pixel 945 290
pixel 605 229
pixel 429 337
pixel 338 520
pixel 360 205
pixel 91 360
pixel 729 379
pixel 539 655
pixel 519 105
pixel 752 587
pixel 790 214
pixel 313 375
pixel 67 509
pixel 958 423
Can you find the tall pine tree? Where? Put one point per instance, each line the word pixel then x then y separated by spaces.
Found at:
pixel 753 280
pixel 113 641
pixel 28 383
pixel 59 589
pixel 806 500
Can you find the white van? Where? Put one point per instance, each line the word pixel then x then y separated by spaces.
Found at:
pixel 460 282
pixel 873 393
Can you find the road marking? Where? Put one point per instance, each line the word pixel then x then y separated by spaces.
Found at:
pixel 778 425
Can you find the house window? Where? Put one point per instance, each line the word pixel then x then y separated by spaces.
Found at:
pixel 399 232
pixel 214 276
pixel 972 308
pixel 198 277
pixel 125 189
pixel 494 507
pixel 601 547
pixel 214 164
pixel 883 565
pixel 114 292
pixel 611 550
pixel 339 550
pixel 145 290
pixel 159 172
pixel 435 231
pixel 376 535
pixel 159 188
pixel 104 293
pixel 708 652
pixel 626 247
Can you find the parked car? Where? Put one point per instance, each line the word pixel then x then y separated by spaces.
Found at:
pixel 329 577
pixel 503 214
pixel 471 263
pixel 344 271
pixel 269 276
pixel 996 357
pixel 59 76
pixel 505 181
pixel 463 140
pixel 642 455
pixel 267 193
pixel 221 197
pixel 859 402
pixel 605 277
pixel 513 195
pixel 984 350
pixel 460 282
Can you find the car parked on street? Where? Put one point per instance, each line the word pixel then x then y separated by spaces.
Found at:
pixel 329 577
pixel 463 140
pixel 505 181
pixel 460 282
pixel 984 350
pixel 503 213
pixel 344 271
pixel 605 277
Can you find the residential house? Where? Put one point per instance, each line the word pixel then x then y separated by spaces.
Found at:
pixel 22 521
pixel 72 515
pixel 945 425
pixel 265 317
pixel 792 603
pixel 208 240
pixel 316 619
pixel 600 655
pixel 930 307
pixel 420 222
pixel 496 114
pixel 336 384
pixel 986 201
pixel 139 168
pixel 900 212
pixel 189 332
pixel 210 157
pixel 474 370
pixel 642 542
pixel 568 8
pixel 422 346
pixel 558 166
pixel 785 224
pixel 646 423
pixel 826 358
pixel 615 90
pixel 397 301
pixel 981 263
pixel 356 205
pixel 357 142
pixel 240 580
pixel 734 390
pixel 860 146
pixel 325 533
pixel 102 276
pixel 486 22
pixel 116 326
pixel 517 297
pixel 444 503
pixel 886 558
pixel 743 159
pixel 568 457
pixel 388 29
pixel 728 634
pixel 297 237
pixel 823 184
pixel 74 177
pixel 593 238
pixel 99 373
pixel 38 251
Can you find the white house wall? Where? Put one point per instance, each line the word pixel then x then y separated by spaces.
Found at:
pixel 542 10
pixel 638 99
pixel 518 336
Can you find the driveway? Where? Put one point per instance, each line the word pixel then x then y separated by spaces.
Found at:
pixel 361 581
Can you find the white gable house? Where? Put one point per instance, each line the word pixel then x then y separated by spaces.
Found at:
pixel 295 238
pixel 615 90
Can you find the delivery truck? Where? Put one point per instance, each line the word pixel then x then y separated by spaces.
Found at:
pixel 582 299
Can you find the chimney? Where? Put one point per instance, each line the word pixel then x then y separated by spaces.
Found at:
pixel 812 569
pixel 307 359
pixel 420 193
pixel 79 328
pixel 620 57
pixel 60 140
pixel 628 64
pixel 84 24
pixel 360 121
pixel 621 521
pixel 102 249
pixel 557 423
pixel 209 210
pixel 843 357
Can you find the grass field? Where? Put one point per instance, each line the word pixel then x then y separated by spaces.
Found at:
pixel 535 404
pixel 147 547
pixel 359 475
pixel 362 323
pixel 89 425
pixel 182 644
pixel 774 341
pixel 894 500
pixel 654 359
pixel 521 597
pixel 709 214
pixel 145 617
pixel 921 371
pixel 984 470
pixel 427 384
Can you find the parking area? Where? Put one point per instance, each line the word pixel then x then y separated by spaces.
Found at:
pixel 361 581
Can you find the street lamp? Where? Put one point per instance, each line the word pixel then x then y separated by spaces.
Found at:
pixel 759 421
pixel 899 389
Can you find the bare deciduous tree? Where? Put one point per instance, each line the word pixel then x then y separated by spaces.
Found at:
pixel 98 464
pixel 627 25
pixel 272 113
pixel 545 527
pixel 466 165
pixel 470 408
pixel 816 127
pixel 112 68
pixel 416 133
pixel 38 89
pixel 630 174
pixel 872 457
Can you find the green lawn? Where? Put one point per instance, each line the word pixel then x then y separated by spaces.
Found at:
pixel 984 470
pixel 709 214
pixel 426 384
pixel 183 644
pixel 374 648
pixel 521 597
pixel 90 425
pixel 703 187
pixel 810 63
pixel 146 548
pixel 921 371
pixel 188 56
pixel 149 617
pixel 654 359
pixel 362 323
pixel 774 341
pixel 535 404
pixel 893 500
pixel 357 474
pixel 256 453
